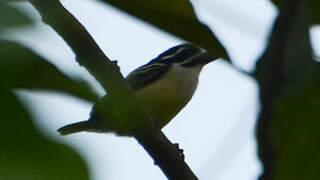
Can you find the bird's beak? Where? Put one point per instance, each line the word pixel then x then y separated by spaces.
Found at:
pixel 207 57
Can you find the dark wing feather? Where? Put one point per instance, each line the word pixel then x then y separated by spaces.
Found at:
pixel 146 74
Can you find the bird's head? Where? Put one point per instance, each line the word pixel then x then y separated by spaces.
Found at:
pixel 185 60
pixel 186 55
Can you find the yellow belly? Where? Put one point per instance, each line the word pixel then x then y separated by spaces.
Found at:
pixel 166 97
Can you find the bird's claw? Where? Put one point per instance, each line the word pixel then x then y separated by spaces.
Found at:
pixel 180 151
pixel 115 63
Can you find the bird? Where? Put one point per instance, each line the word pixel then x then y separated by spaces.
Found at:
pixel 164 86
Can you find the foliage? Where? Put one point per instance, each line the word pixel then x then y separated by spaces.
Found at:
pixel 289 86
pixel 287 75
pixel 26 70
pixel 313 6
pixel 25 153
pixel 175 17
pixel 17 18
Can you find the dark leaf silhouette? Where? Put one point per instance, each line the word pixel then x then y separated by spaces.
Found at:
pixel 12 17
pixel 23 69
pixel 26 154
pixel 312 5
pixel 289 86
pixel 175 17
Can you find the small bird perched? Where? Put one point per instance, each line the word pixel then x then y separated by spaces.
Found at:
pixel 164 85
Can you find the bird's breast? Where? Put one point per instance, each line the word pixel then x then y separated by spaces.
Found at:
pixel 167 96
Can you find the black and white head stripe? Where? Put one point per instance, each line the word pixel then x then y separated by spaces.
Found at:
pixel 177 54
pixel 188 55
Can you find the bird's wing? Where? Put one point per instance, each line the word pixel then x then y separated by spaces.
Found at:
pixel 146 74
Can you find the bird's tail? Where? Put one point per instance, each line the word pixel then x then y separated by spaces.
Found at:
pixel 74 128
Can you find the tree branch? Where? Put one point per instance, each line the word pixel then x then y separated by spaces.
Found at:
pixel 88 53
pixel 90 56
pixel 166 156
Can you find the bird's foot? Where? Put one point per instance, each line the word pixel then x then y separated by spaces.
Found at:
pixel 115 63
pixel 180 151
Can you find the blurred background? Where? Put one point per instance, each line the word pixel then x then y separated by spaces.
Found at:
pixel 215 130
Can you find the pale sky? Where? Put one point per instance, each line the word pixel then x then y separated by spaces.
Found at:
pixel 215 129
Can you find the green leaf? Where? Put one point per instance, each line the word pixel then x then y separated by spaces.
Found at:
pixel 290 35
pixel 25 154
pixel 21 68
pixel 175 17
pixel 296 126
pixel 313 8
pixel 289 81
pixel 12 17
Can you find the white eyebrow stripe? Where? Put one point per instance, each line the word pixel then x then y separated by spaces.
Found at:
pixel 174 54
pixel 151 66
pixel 168 56
pixel 190 59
